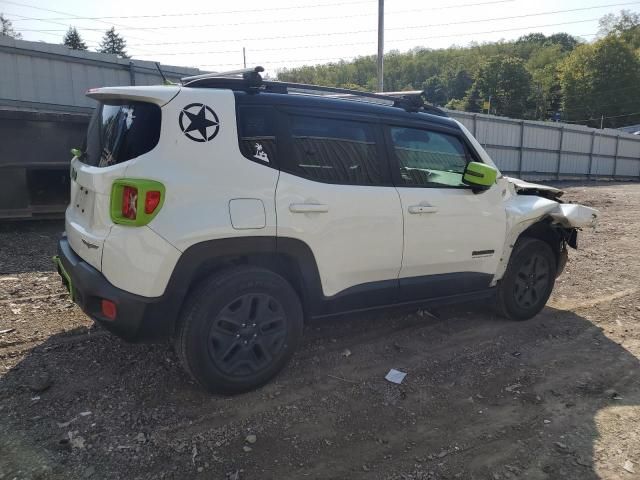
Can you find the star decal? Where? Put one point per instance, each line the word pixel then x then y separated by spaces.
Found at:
pixel 203 123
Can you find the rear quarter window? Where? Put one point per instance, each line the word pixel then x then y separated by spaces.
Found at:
pixel 257 134
pixel 121 131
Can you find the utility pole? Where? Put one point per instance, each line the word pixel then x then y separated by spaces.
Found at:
pixel 244 57
pixel 602 122
pixel 380 45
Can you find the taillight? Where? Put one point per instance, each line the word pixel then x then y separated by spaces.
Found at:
pixel 129 202
pixel 151 201
pixel 135 201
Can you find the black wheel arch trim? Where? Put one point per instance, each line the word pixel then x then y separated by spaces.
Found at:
pixel 290 258
pixel 294 260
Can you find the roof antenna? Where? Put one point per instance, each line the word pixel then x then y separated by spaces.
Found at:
pixel 164 79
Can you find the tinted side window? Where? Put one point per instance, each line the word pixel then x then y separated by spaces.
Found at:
pixel 257 131
pixel 428 157
pixel 335 151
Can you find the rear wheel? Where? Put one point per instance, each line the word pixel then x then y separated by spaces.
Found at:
pixel 239 329
pixel 528 281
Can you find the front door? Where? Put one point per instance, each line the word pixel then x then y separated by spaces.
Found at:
pixel 335 195
pixel 453 237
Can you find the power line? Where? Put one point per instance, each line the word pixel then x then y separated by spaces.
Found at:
pixel 412 39
pixel 601 118
pixel 221 12
pixel 405 27
pixel 280 37
pixel 590 95
pixel 397 40
pixel 94 43
pixel 70 15
pixel 288 20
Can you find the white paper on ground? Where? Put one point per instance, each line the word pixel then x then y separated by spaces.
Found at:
pixel 395 376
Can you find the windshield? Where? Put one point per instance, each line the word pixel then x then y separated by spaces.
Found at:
pixel 121 131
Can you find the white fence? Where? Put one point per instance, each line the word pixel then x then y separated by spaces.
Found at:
pixel 546 150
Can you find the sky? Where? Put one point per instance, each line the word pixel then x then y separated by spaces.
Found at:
pixel 286 33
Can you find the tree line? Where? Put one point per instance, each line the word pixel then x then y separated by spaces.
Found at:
pixel 112 42
pixel 538 77
pixel 534 77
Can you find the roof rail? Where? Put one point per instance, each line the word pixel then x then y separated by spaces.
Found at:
pixel 244 73
pixel 409 101
pixel 251 80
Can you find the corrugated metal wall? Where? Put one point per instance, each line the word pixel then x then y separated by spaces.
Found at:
pixel 50 77
pixel 545 150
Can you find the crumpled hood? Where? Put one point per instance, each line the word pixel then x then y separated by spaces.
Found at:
pixel 522 186
pixel 534 201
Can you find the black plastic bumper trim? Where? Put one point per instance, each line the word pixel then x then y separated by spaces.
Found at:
pixel 138 318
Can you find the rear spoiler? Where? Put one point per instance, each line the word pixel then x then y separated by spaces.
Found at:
pixel 160 95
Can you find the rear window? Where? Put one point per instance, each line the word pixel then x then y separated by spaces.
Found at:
pixel 120 131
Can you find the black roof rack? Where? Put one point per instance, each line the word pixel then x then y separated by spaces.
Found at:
pixel 250 80
pixel 250 75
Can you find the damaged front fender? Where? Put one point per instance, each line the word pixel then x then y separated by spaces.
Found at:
pixel 571 215
pixel 527 205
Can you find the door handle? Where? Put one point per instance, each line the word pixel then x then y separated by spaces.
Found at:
pixel 308 208
pixel 418 209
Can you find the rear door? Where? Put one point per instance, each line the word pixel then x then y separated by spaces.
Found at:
pixel 120 130
pixel 335 194
pixel 453 236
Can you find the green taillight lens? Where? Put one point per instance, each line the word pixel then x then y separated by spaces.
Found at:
pixel 135 201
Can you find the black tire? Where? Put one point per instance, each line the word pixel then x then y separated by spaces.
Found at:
pixel 238 329
pixel 528 281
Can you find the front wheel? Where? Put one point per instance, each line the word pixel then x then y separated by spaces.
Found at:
pixel 528 281
pixel 239 329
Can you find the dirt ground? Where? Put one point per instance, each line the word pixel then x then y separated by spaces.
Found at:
pixel 557 397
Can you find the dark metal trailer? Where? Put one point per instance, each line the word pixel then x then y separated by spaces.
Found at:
pixel 34 161
pixel 44 113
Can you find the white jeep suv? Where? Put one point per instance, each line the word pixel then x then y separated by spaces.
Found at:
pixel 224 211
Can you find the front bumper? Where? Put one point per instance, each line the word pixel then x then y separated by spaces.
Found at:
pixel 138 318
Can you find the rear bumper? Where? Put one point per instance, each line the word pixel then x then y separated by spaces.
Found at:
pixel 138 318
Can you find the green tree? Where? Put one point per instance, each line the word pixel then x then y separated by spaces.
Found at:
pixel 472 102
pixel 564 40
pixel 506 80
pixel 6 28
pixel 626 26
pixel 435 90
pixel 459 83
pixel 113 43
pixel 601 80
pixel 73 40
pixel 546 96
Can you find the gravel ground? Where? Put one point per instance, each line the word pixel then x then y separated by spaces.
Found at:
pixel 557 397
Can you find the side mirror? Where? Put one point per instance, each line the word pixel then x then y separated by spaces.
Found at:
pixel 480 176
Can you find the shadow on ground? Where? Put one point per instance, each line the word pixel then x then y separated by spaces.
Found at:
pixel 484 398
